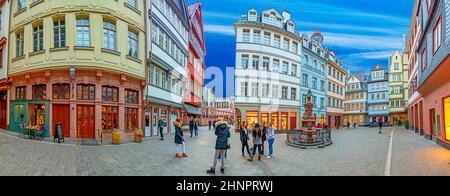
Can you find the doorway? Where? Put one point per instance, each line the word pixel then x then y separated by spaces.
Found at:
pixel 3 109
pixel 86 121
pixel 61 115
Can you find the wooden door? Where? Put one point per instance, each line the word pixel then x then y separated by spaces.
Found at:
pixel 61 115
pixel 86 121
pixel 3 113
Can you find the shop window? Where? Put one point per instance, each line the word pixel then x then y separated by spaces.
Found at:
pixel 265 118
pixel 284 121
pixel 110 118
pixel 131 96
pixel 61 91
pixel 21 93
pixel 86 92
pixel 37 115
pixel 110 93
pixel 39 92
pixel 447 118
pixel 131 118
pixel 252 118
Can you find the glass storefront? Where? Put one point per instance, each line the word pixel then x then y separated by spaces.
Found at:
pixel 275 120
pixel 252 119
pixel 265 118
pixel 447 118
pixel 284 121
pixel 32 113
pixel 36 117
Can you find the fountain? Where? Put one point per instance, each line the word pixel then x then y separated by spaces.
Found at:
pixel 309 136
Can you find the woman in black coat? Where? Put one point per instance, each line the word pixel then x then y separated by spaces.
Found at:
pixel 179 140
pixel 223 133
pixel 244 138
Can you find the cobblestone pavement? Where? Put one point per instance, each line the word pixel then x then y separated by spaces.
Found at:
pixel 354 152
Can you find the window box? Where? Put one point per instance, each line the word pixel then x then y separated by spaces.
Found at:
pixel 84 48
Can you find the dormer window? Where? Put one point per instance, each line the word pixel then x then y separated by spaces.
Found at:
pixel 252 16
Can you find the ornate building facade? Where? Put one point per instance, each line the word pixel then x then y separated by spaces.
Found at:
pixel 336 76
pixel 79 63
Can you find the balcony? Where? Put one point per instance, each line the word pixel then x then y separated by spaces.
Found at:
pixel 318 71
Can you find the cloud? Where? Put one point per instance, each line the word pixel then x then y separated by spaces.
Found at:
pixel 344 27
pixel 221 15
pixel 372 55
pixel 226 30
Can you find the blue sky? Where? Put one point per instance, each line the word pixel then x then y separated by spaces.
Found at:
pixel 361 32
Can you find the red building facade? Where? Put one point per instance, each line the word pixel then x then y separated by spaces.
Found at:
pixel 196 65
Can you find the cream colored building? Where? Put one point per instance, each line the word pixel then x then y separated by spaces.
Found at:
pixel 398 82
pixel 78 63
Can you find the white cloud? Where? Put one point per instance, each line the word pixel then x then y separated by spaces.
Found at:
pixel 372 55
pixel 227 30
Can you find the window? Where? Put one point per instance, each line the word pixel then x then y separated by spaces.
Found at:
pixel 133 44
pixel 276 65
pixel 285 68
pixel 110 118
pixel 294 47
pixel 265 90
pixel 110 93
pixel 275 91
pixel 265 65
pixel 133 3
pixel 244 89
pixel 19 44
pixel 131 96
pixel 286 44
pixel 437 35
pixel 86 92
pixel 59 33
pixel 246 35
pixel 293 70
pixel 293 94
pixel 155 33
pixel 109 35
pixel 244 61
pixel 38 38
pixel 83 32
pixel 61 91
pixel 396 67
pixel 131 118
pixel 284 92
pixel 256 36
pixel 424 59
pixel 22 4
pixel 305 80
pixel 267 38
pixel 255 89
pixel 276 41
pixel 255 63
pixel 21 93
pixel 314 83
pixel 39 92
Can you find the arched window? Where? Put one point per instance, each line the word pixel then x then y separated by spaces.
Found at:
pixel 305 60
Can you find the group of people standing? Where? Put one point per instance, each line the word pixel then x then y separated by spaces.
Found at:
pixel 193 126
pixel 259 137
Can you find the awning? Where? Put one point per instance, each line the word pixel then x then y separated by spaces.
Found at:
pixel 163 102
pixel 193 110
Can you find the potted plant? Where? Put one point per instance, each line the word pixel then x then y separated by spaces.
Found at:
pixel 138 135
pixel 116 136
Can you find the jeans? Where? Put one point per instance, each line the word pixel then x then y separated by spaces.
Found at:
pixel 181 148
pixel 245 145
pixel 196 131
pixel 271 141
pixel 259 146
pixel 191 129
pixel 220 153
pixel 161 132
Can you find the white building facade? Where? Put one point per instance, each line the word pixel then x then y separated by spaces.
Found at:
pixel 167 38
pixel 267 71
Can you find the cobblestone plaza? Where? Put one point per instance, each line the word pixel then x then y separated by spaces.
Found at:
pixel 355 152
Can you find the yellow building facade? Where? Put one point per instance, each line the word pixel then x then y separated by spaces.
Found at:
pixel 77 63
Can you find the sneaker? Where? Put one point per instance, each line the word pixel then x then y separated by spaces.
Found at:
pixel 184 155
pixel 178 155
pixel 211 171
pixel 222 170
pixel 268 157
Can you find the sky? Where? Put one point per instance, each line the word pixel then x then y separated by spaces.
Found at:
pixel 362 33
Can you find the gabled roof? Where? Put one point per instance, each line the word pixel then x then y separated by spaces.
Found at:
pixel 273 10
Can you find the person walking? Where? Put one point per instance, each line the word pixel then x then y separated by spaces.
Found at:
pixel 196 124
pixel 191 126
pixel 271 137
pixel 380 125
pixel 209 124
pixel 161 128
pixel 179 140
pixel 348 125
pixel 223 133
pixel 257 142
pixel 244 138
